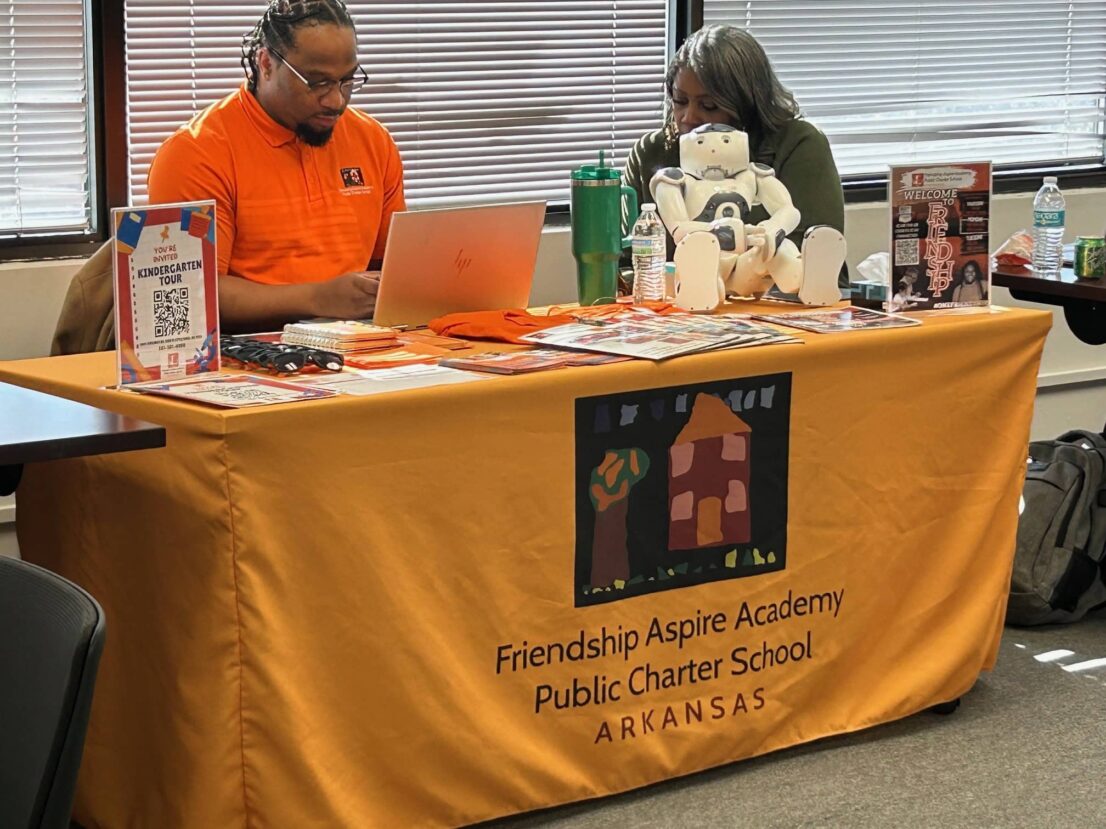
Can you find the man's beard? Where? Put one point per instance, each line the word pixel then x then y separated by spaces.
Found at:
pixel 313 137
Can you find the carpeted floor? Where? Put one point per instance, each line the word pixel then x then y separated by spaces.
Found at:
pixel 1027 748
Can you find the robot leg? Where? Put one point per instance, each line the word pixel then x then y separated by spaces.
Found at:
pixel 698 285
pixel 822 258
pixel 786 268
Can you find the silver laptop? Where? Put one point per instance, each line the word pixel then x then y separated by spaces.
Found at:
pixel 458 259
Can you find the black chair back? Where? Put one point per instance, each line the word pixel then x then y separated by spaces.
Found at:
pixel 51 637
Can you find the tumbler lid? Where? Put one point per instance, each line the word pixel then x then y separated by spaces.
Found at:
pixel 600 172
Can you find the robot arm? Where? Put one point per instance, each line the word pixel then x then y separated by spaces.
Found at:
pixel 783 217
pixel 667 187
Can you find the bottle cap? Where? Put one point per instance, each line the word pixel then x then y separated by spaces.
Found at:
pixel 1050 179
pixel 648 206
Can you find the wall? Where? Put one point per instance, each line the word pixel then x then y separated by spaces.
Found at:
pixel 30 297
pixel 1072 380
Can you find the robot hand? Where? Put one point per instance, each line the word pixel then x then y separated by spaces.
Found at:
pixel 760 237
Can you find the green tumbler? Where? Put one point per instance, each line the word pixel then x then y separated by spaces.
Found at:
pixel 600 229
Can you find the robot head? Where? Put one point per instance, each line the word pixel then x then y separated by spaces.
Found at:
pixel 714 151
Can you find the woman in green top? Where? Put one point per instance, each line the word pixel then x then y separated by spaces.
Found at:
pixel 721 75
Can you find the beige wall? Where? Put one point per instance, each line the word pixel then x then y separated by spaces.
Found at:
pixel 1072 382
pixel 30 296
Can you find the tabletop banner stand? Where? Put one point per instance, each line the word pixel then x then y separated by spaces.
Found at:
pixel 940 224
pixel 166 293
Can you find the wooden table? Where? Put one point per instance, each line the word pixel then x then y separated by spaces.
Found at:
pixel 1083 300
pixel 43 427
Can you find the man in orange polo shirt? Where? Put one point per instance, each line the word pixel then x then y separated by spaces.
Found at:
pixel 305 187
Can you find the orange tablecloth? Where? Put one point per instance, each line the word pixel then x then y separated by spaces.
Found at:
pixel 365 611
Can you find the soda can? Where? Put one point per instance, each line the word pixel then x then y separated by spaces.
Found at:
pixel 1090 257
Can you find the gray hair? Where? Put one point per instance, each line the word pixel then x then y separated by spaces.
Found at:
pixel 734 69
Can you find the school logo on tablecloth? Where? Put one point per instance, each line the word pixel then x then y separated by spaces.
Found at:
pixel 680 486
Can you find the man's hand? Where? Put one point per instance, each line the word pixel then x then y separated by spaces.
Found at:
pixel 246 307
pixel 351 296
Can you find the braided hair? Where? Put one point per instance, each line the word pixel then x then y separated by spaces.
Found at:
pixel 277 28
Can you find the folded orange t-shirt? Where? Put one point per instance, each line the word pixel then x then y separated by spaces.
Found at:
pixel 512 324
pixel 507 326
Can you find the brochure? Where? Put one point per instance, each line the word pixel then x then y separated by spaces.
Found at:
pixel 841 319
pixel 234 390
pixel 379 381
pixel 940 220
pixel 574 358
pixel 421 337
pixel 402 355
pixel 524 362
pixel 650 336
pixel 166 292
pixel 514 362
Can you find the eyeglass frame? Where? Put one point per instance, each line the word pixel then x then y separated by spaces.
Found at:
pixel 320 89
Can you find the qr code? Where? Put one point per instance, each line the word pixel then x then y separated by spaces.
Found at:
pixel 906 252
pixel 171 312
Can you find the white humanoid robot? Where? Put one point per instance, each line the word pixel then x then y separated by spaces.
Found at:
pixel 704 204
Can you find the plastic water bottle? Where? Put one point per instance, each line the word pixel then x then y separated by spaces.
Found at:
pixel 649 253
pixel 1048 229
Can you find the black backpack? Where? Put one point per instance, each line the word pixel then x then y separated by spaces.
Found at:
pixel 1061 531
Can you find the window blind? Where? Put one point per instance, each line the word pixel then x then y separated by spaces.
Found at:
pixel 488 101
pixel 1016 82
pixel 46 180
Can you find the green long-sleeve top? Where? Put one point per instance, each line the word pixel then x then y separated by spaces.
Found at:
pixel 801 157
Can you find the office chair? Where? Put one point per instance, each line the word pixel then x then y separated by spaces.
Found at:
pixel 51 637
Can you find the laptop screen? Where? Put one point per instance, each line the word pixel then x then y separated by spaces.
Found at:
pixel 443 261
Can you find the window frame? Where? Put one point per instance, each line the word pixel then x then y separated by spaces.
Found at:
pixel 110 167
pixel 1007 179
pixel 79 245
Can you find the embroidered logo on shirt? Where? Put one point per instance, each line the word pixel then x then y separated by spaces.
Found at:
pixel 351 177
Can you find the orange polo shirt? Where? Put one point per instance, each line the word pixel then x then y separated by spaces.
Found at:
pixel 287 212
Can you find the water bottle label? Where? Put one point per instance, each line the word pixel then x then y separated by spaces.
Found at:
pixel 647 247
pixel 1048 218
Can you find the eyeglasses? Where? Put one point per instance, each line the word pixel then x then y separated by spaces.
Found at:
pixel 321 89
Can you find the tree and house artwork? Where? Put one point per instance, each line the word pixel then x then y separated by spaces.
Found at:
pixel 680 486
